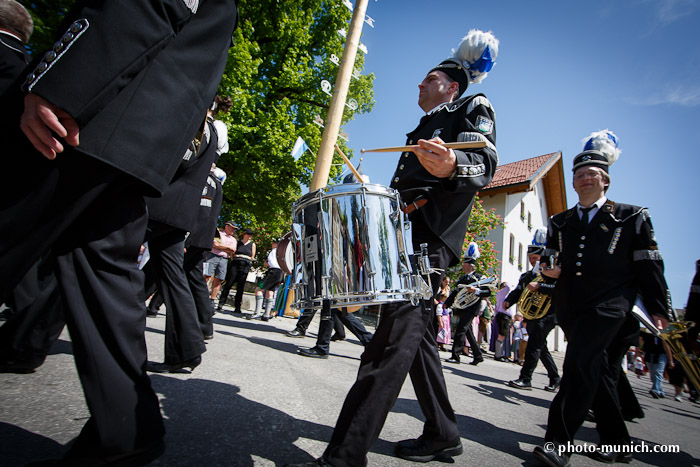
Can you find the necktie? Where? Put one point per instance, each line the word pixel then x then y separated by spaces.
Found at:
pixel 584 214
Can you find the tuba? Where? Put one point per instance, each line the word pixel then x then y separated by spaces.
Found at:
pixel 534 304
pixel 464 298
pixel 675 335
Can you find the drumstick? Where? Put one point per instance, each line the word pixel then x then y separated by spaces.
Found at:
pixel 463 145
pixel 349 164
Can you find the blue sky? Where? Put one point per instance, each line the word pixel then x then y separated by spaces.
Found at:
pixel 564 69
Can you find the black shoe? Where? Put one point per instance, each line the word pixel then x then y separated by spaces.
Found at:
pixel 313 352
pixel 151 314
pixel 520 384
pixel 295 333
pixel 552 386
pixel 452 360
pixel 264 318
pixel 425 450
pixel 336 337
pixel 477 360
pixel 208 337
pixel 654 394
pixel 611 457
pixel 551 458
pixel 174 368
pixel 21 367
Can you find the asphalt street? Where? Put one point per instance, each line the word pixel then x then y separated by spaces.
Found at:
pixel 255 402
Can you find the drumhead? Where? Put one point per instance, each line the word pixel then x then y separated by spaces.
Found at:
pixel 285 253
pixel 343 189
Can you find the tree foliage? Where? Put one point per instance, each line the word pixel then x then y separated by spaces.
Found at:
pixel 47 16
pixel 481 222
pixel 282 52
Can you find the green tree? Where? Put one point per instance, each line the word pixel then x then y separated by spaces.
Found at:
pixel 481 222
pixel 282 51
pixel 48 16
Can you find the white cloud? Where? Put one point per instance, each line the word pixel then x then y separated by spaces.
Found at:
pixel 683 95
pixel 669 11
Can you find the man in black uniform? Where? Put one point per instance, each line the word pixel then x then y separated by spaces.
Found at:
pixel 16 27
pixel 537 329
pixel 94 113
pixel 438 184
pixel 608 256
pixel 463 330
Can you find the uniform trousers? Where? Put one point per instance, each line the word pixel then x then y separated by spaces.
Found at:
pixel 183 336
pixel 93 217
pixel 194 262
pixel 237 273
pixel 597 342
pixel 352 322
pixel 464 332
pixel 538 330
pixel 404 343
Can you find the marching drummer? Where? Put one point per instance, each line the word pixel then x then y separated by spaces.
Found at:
pixel 438 186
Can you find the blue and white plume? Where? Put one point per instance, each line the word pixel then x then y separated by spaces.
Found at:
pixel 477 52
pixel 605 142
pixel 540 238
pixel 472 251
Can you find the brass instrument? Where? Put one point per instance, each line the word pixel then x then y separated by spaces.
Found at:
pixel 465 299
pixel 534 304
pixel 675 335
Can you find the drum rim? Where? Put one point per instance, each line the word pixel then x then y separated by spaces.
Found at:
pixel 333 191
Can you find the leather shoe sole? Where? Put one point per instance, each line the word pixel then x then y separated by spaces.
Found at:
pixel 174 368
pixel 517 384
pixel 420 450
pixel 295 333
pixel 611 457
pixel 452 360
pixel 313 352
pixel 550 458
pixel 476 361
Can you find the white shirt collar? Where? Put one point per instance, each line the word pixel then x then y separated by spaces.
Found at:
pixel 437 108
pixel 596 206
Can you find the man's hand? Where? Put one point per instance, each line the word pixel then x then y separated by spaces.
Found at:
pixel 436 158
pixel 533 286
pixel 471 289
pixel 553 272
pixel 40 118
pixel 659 321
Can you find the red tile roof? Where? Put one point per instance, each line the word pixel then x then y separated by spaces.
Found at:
pixel 518 172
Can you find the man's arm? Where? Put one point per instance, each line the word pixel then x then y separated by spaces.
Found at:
pixel 100 53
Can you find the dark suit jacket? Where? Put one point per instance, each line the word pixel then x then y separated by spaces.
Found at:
pixel 208 215
pixel 608 261
pixel 137 77
pixel 13 60
pixel 179 204
pixel 446 214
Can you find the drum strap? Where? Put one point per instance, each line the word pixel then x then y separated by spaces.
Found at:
pixel 414 206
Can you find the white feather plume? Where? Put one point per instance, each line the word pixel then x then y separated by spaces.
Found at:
pixel 472 251
pixel 605 142
pixel 472 47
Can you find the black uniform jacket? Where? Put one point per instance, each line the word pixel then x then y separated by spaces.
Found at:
pixel 450 199
pixel 179 204
pixel 208 215
pixel 13 59
pixel 482 291
pixel 607 262
pixel 546 287
pixel 136 76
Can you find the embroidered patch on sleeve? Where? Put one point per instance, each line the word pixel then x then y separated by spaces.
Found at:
pixel 484 125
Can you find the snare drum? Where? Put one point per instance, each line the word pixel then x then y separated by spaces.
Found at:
pixel 351 245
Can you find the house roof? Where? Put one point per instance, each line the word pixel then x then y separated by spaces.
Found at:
pixel 524 175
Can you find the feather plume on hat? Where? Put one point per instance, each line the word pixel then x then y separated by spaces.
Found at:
pixel 472 253
pixel 477 52
pixel 605 142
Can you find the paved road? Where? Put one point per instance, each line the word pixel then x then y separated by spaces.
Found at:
pixel 255 402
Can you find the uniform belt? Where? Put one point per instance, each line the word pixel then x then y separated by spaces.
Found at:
pixel 243 257
pixel 414 206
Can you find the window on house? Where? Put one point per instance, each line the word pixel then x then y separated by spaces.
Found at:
pixel 529 221
pixel 522 210
pixel 512 248
pixel 520 256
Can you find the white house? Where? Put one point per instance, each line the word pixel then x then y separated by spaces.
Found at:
pixel 525 194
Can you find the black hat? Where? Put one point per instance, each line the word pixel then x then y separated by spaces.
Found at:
pixel 247 231
pixel 599 150
pixel 452 68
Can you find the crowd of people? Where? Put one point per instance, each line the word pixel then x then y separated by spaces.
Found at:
pixel 133 202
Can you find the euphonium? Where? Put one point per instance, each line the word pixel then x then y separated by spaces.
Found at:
pixel 465 299
pixel 534 304
pixel 675 335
